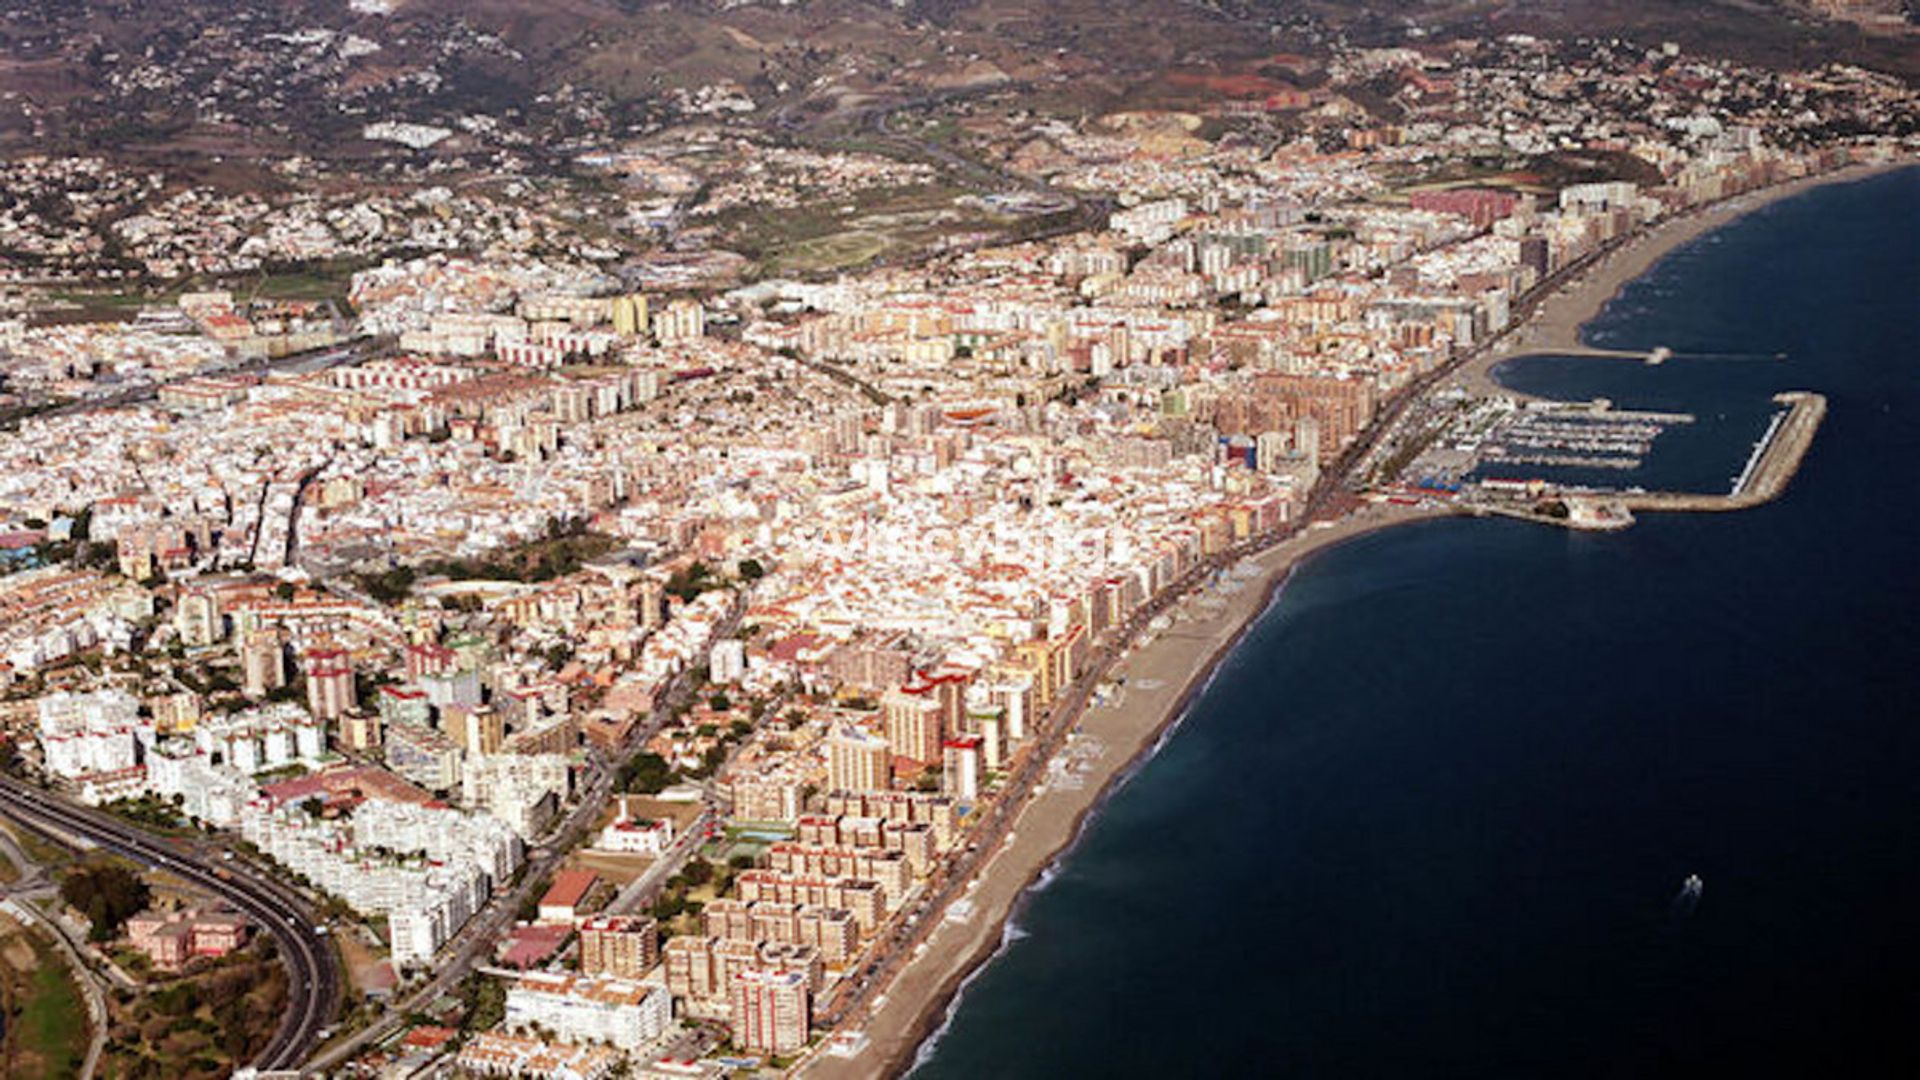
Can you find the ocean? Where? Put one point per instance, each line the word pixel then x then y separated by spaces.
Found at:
pixel 1433 816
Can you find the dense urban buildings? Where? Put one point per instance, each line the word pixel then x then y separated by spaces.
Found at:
pixel 601 611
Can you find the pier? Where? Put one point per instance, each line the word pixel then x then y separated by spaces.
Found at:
pixel 1775 459
pixel 1595 352
pixel 1477 375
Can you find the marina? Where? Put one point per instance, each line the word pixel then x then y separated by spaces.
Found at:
pixel 1492 438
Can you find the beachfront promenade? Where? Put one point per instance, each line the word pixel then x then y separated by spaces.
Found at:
pixel 1577 293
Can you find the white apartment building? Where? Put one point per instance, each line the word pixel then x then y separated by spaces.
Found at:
pixel 427 869
pixel 523 790
pixel 269 737
pixel 728 661
pixel 211 793
pixel 625 1014
pixel 98 732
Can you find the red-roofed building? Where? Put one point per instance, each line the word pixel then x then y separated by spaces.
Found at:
pixel 226 327
pixel 428 1037
pixel 345 787
pixel 788 649
pixel 171 939
pixel 430 659
pixel 530 946
pixel 562 901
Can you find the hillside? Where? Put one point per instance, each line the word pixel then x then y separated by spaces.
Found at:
pixel 240 76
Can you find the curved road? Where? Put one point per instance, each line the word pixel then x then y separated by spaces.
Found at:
pixel 313 975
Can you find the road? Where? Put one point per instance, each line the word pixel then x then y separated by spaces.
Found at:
pixel 637 892
pixel 292 553
pixel 841 375
pixel 313 976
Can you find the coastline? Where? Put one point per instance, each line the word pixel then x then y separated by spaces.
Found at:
pixel 1176 665
pixel 1162 678
pixel 1554 327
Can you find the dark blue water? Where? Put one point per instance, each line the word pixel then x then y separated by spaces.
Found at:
pixel 1431 818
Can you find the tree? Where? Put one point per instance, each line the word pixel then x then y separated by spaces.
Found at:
pixel 107 895
pixel 710 761
pixel 687 584
pixel 388 587
pixel 646 774
pixel 93 555
pixel 177 1000
pixel 486 1001
pixel 698 872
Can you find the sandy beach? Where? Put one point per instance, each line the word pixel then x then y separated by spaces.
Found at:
pixel 1159 677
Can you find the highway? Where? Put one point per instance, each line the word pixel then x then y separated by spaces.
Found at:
pixel 1077 212
pixel 313 974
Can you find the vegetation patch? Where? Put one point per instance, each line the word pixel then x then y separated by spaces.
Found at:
pixel 202 1024
pixel 832 252
pixel 107 894
pixel 46 1020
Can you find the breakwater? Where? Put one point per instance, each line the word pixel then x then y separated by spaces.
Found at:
pixel 1775 460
